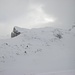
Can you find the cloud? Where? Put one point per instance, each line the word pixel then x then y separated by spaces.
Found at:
pixel 23 14
pixel 36 13
pixel 34 17
pixel 10 9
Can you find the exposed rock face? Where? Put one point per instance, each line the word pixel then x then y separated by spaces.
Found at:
pixel 15 32
pixel 57 33
pixel 72 29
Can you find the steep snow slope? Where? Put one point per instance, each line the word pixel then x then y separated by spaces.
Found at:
pixel 43 51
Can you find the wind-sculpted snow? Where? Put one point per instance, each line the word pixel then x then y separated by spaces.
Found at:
pixel 38 51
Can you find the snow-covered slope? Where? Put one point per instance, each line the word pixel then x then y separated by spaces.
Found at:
pixel 43 51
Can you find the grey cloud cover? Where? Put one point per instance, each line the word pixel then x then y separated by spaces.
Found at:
pixel 31 13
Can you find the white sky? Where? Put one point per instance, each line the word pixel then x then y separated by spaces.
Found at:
pixel 36 13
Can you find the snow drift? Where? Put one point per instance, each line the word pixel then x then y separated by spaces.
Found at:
pixel 42 51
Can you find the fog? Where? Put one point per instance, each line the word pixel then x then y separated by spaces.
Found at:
pixel 36 14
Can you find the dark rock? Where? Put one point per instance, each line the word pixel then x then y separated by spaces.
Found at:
pixel 15 32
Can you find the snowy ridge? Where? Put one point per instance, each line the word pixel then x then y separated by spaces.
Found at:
pixel 38 51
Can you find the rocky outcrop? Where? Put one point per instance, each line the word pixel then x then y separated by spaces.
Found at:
pixel 15 32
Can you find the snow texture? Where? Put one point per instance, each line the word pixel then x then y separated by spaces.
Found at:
pixel 42 51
